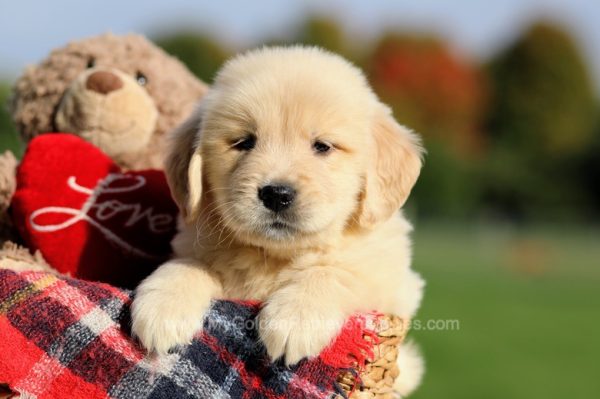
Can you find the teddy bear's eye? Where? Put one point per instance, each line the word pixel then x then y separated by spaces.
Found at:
pixel 141 79
pixel 91 63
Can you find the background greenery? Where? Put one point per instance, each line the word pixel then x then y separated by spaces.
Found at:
pixel 527 302
pixel 507 206
pixel 9 139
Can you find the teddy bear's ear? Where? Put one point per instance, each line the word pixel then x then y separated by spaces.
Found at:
pixel 183 166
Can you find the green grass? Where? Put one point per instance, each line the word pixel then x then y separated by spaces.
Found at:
pixel 528 303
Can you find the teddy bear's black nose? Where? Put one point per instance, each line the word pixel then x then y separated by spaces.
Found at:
pixel 103 82
pixel 277 197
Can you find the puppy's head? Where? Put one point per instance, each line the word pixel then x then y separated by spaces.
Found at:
pixel 291 147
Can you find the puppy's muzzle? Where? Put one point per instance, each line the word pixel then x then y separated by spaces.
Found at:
pixel 277 197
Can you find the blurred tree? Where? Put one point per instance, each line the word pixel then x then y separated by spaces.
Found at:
pixel 323 32
pixel 442 97
pixel 588 172
pixel 448 187
pixel 9 139
pixel 543 96
pixel 541 121
pixel 202 54
pixel 431 89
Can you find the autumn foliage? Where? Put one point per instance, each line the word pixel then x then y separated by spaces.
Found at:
pixel 431 89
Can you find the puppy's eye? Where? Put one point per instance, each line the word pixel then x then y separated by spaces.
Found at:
pixel 141 79
pixel 91 63
pixel 245 143
pixel 321 147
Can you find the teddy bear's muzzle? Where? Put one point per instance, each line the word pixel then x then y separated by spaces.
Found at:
pixel 109 109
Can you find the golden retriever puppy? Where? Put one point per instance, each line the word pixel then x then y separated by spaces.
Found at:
pixel 289 177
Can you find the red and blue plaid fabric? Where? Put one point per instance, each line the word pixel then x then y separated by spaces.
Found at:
pixel 68 338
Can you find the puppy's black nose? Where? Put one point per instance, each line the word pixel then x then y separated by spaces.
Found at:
pixel 276 197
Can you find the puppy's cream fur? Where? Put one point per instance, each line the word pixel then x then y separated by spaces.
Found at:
pixel 341 248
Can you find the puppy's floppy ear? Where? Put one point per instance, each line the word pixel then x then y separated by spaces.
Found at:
pixel 394 165
pixel 183 166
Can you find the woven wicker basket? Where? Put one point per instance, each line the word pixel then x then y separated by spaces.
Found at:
pixel 377 379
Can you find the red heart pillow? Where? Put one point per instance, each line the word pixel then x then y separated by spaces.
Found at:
pixel 89 219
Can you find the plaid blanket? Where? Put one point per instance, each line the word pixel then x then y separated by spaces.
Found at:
pixel 62 337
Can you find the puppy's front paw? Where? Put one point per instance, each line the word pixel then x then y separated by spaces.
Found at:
pixel 296 331
pixel 161 320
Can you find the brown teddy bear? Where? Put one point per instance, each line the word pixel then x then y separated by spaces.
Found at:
pixel 121 93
